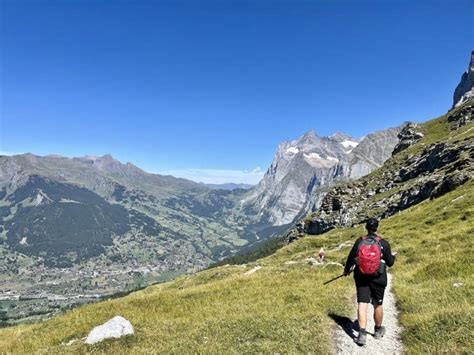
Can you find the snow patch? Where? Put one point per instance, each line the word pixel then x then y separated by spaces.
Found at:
pixel 313 156
pixel 66 200
pixel 349 144
pixel 292 150
pixel 38 199
pixel 317 158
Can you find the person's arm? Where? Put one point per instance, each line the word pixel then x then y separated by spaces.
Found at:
pixel 388 256
pixel 351 258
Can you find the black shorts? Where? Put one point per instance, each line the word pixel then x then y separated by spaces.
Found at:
pixel 370 292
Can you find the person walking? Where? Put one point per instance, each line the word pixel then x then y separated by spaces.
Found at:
pixel 370 255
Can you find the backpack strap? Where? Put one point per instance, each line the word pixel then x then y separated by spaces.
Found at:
pixel 377 237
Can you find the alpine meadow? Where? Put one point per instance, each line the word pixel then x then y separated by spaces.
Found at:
pixel 357 238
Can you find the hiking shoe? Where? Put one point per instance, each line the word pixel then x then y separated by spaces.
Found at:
pixel 362 338
pixel 379 333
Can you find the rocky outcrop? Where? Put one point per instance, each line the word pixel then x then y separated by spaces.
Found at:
pixel 408 136
pixel 429 173
pixel 462 116
pixel 465 88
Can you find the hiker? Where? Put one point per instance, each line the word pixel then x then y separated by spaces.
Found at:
pixel 371 255
pixel 321 255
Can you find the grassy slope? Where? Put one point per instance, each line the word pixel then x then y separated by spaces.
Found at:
pixel 283 307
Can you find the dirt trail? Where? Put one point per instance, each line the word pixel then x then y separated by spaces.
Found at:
pixel 347 330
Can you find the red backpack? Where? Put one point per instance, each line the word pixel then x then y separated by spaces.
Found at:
pixel 369 255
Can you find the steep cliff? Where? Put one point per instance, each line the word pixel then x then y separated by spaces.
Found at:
pixel 465 88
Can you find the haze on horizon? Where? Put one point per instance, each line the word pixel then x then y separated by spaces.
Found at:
pixel 208 90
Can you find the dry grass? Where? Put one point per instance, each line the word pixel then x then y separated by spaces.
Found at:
pixel 283 308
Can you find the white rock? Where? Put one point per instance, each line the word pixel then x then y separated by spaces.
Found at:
pixel 458 284
pixel 115 328
pixel 455 200
pixel 255 269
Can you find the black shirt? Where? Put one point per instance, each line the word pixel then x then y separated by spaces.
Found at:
pixel 386 256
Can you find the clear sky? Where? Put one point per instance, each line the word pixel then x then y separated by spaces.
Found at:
pixel 207 89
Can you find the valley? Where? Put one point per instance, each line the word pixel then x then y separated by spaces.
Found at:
pixel 236 177
pixel 76 230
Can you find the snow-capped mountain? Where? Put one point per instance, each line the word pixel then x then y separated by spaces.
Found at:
pixel 304 167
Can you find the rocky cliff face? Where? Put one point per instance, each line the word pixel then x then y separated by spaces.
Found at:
pixel 465 88
pixel 372 152
pixel 439 159
pixel 303 168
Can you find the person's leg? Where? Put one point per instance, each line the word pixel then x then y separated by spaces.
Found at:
pixel 377 293
pixel 362 314
pixel 378 315
pixel 363 299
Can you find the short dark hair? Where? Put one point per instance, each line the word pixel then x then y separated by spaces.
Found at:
pixel 372 224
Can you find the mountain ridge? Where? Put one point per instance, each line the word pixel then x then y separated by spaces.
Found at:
pixel 276 304
pixel 169 225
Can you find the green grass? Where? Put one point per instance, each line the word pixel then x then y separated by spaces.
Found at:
pixel 284 307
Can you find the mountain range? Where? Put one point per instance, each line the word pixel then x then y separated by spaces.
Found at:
pixel 81 228
pixel 424 194
pixel 103 200
pixel 95 226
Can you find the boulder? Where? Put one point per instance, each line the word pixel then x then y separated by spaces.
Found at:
pixel 115 328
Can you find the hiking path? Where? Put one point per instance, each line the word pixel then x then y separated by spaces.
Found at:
pixel 347 330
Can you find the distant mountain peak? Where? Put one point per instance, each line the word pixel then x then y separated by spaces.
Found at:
pixel 341 136
pixel 465 88
pixel 108 157
pixel 346 141
pixel 311 133
pixel 309 137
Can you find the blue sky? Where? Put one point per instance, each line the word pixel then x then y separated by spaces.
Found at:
pixel 208 89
